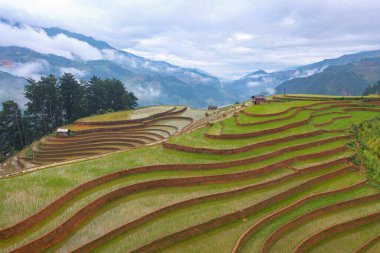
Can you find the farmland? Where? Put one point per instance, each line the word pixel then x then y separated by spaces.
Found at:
pixel 105 133
pixel 281 176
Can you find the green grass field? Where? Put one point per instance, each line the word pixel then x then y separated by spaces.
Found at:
pixel 106 133
pixel 127 115
pixel 209 200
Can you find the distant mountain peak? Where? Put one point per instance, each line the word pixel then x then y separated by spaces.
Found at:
pixel 261 71
pixel 256 74
pixel 57 51
pixel 54 31
pixel 9 22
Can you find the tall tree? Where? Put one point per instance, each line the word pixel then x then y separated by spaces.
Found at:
pixel 130 100
pixel 52 102
pixel 13 133
pixel 44 103
pixel 96 95
pixel 73 99
pixel 103 95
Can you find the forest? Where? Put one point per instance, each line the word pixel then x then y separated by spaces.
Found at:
pixel 52 102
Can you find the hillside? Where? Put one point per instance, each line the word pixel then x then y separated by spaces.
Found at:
pixel 105 133
pixel 348 79
pixel 268 83
pixel 274 177
pixel 154 82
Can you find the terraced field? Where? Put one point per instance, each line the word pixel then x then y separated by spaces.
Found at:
pixel 106 133
pixel 275 177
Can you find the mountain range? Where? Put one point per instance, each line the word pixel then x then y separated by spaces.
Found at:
pixel 44 51
pixel 302 79
pixel 346 79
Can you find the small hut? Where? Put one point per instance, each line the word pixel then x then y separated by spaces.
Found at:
pixel 63 132
pixel 257 99
pixel 212 107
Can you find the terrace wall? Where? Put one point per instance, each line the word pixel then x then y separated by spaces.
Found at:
pixel 274 237
pixel 47 211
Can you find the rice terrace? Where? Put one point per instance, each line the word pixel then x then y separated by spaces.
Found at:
pixel 295 173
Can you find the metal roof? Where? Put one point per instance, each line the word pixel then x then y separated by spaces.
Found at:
pixel 62 130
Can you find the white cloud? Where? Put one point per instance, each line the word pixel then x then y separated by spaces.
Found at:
pixel 171 58
pixel 225 38
pixel 146 94
pixel 7 93
pixel 267 80
pixel 113 55
pixel 253 84
pixel 37 40
pixel 26 70
pixel 288 22
pixel 308 72
pixel 198 77
pixel 171 70
pixel 74 71
pixel 240 36
pixel 270 90
pixel 147 65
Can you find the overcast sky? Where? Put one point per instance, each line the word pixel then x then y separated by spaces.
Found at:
pixel 225 38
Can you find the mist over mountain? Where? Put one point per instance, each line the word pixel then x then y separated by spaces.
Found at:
pixel 35 52
pixel 32 52
pixel 269 83
pixel 347 79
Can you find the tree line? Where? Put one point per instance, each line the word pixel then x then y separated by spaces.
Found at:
pixel 52 102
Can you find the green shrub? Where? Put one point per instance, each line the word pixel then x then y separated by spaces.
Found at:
pixel 366 143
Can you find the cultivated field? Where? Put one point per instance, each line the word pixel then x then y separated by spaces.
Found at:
pixel 105 133
pixel 274 177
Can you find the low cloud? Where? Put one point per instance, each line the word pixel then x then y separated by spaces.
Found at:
pixel 226 38
pixel 253 84
pixel 147 65
pixel 199 78
pixel 113 55
pixel 37 40
pixel 146 94
pixel 309 72
pixel 74 71
pixel 32 69
pixel 270 90
pixel 170 70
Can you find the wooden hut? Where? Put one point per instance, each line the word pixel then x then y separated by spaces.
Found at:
pixel 63 132
pixel 257 99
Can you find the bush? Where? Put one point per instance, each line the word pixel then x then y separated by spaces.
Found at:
pixel 366 143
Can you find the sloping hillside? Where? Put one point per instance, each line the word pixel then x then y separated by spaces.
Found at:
pixel 264 82
pixel 274 177
pixel 349 79
pixel 102 134
pixel 153 82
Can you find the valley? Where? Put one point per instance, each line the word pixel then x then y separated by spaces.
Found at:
pixel 279 176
